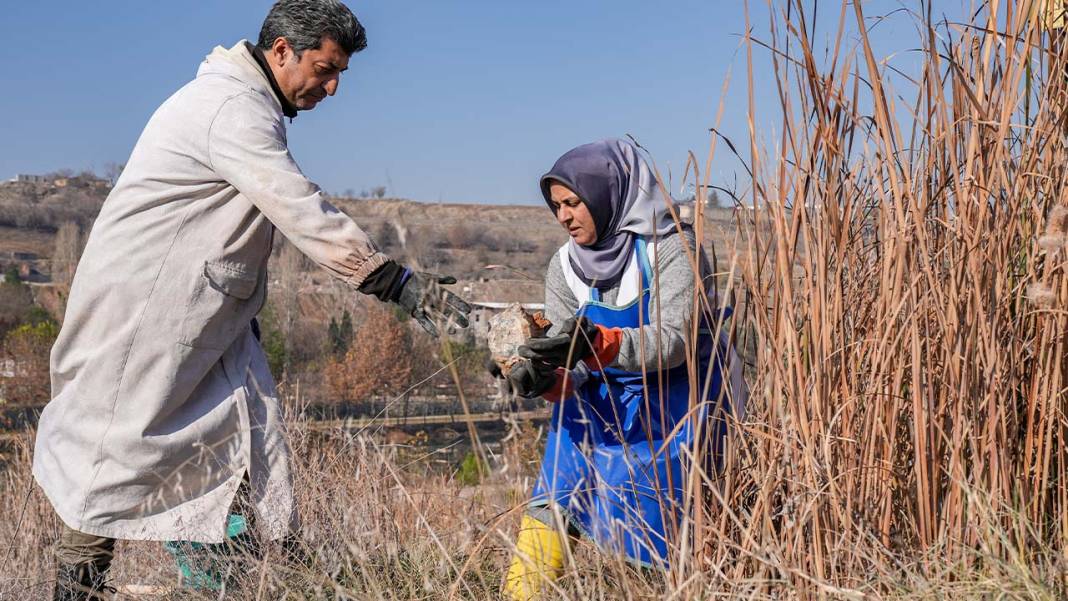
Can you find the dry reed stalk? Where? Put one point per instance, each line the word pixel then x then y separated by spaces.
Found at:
pixel 909 406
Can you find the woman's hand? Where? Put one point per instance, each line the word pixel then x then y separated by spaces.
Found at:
pixel 578 340
pixel 530 379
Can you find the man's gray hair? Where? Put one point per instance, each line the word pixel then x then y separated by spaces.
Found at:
pixel 304 23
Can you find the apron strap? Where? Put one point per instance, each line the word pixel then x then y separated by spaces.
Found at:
pixel 642 248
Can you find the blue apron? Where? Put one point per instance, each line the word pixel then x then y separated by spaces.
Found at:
pixel 612 464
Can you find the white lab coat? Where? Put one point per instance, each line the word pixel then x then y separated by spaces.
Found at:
pixel 161 397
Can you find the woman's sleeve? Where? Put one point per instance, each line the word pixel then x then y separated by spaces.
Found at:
pixel 670 310
pixel 560 302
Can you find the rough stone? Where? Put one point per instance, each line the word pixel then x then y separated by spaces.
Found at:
pixel 510 329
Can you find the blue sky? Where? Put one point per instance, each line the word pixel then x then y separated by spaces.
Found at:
pixel 454 100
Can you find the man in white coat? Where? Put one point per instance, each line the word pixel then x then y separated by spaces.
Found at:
pixel 162 404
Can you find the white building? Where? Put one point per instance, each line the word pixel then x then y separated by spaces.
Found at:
pixel 31 179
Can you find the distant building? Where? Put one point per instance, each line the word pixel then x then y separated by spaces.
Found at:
pixel 10 370
pixel 27 273
pixel 30 179
pixel 84 180
pixel 687 206
pixel 686 211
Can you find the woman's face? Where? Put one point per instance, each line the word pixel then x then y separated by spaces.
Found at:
pixel 572 214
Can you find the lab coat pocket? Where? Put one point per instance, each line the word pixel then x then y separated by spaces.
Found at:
pixel 219 306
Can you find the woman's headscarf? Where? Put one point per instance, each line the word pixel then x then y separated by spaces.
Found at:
pixel 615 183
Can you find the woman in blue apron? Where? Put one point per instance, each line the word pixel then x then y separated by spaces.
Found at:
pixel 619 364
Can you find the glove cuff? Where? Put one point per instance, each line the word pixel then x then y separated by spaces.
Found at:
pixel 605 348
pixel 386 282
pixel 562 389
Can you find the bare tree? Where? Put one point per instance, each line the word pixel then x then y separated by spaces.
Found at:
pixel 112 171
pixel 379 361
pixel 27 348
pixel 68 250
pixel 290 273
pixel 16 302
pixel 386 236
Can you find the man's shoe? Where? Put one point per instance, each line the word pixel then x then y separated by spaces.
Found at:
pixel 214 566
pixel 85 582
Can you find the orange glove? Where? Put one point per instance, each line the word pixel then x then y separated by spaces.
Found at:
pixel 605 348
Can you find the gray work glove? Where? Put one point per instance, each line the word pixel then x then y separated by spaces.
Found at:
pixel 573 343
pixel 424 298
pixel 529 379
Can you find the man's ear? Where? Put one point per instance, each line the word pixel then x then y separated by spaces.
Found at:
pixel 281 52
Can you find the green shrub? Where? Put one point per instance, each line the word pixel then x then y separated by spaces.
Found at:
pixel 470 472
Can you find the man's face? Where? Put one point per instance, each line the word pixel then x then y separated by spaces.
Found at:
pixel 307 80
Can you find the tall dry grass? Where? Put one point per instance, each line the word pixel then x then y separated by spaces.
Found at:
pixel 380 522
pixel 907 428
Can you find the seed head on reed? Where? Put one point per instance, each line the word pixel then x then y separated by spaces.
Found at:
pixel 1041 295
pixel 1057 225
pixel 1051 242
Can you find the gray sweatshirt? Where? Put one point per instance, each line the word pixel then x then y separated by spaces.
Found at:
pixel 670 308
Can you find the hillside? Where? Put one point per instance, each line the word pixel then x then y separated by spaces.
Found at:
pixel 498 252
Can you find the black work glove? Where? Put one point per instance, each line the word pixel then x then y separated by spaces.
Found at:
pixel 529 379
pixel 427 302
pixel 494 369
pixel 556 350
pixel 419 294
